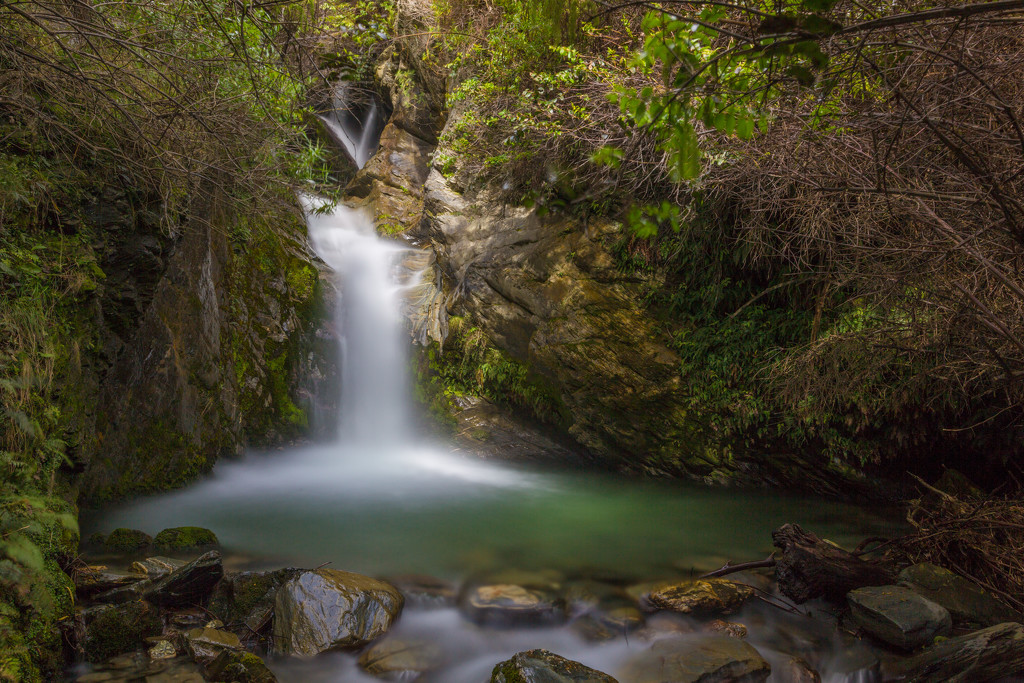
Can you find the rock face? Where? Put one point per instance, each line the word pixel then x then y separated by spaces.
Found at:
pixel 541 666
pixel 898 615
pixel 327 609
pixel 992 654
pixel 703 659
pixel 967 602
pixel 702 597
pixel 204 338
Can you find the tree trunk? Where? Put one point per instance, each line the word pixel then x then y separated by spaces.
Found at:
pixel 811 568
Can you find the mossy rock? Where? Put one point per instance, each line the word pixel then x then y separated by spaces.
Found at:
pixel 240 667
pixel 541 665
pixel 118 629
pixel 185 538
pixel 127 540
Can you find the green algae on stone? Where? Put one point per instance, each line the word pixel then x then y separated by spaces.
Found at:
pixel 185 538
pixel 239 667
pixel 127 540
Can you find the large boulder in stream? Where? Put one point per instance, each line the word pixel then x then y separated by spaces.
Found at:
pixel 541 666
pixel 697 659
pixel 328 609
pixel 966 601
pixel 898 615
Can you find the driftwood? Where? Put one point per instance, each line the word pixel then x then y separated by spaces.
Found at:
pixel 809 567
pixel 994 653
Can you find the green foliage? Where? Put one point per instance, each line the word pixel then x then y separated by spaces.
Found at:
pixel 469 365
pixel 704 75
pixel 37 535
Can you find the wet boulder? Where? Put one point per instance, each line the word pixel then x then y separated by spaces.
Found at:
pixel 116 629
pixel 186 585
pixel 697 659
pixel 898 616
pixel 94 580
pixel 400 660
pixel 127 540
pixel 541 666
pixel 245 600
pixel 239 667
pixel 511 604
pixel 701 597
pixel 966 601
pixel 995 653
pixel 183 538
pixel 328 609
pixel 205 644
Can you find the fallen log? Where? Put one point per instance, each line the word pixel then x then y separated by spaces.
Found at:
pixel 810 567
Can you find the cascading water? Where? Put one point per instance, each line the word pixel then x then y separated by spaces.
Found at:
pixel 382 500
pixel 357 137
pixel 374 387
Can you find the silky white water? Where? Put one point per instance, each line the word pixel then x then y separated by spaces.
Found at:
pixel 381 499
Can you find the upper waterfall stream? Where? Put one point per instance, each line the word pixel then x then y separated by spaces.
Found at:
pixel 384 500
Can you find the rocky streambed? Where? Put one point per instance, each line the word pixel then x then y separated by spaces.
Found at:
pixel 173 609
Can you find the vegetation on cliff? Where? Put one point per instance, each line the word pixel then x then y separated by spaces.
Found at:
pixel 837 225
pixel 125 127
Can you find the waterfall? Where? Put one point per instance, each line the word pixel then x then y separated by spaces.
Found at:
pixel 359 138
pixel 371 280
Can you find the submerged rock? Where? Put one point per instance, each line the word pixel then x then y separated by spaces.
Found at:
pixel 127 540
pixel 966 601
pixel 511 604
pixel 541 666
pixel 702 597
pixel 397 659
pixel 795 670
pixel 727 628
pixel 991 654
pixel 162 649
pixel 327 609
pixel 117 629
pixel 697 659
pixel 425 591
pixel 898 615
pixel 185 538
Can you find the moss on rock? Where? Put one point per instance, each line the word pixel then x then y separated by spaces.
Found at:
pixel 184 538
pixel 116 629
pixel 127 540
